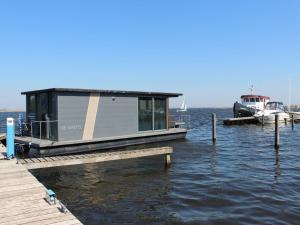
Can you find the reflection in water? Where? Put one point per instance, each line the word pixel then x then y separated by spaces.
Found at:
pixel 277 164
pixel 229 183
pixel 213 160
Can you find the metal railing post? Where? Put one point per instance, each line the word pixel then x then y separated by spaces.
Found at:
pixel 40 130
pixel 31 129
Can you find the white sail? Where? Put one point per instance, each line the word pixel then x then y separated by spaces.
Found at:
pixel 183 107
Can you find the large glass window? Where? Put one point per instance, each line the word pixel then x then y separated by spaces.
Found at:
pixel 160 114
pixel 31 107
pixel 145 114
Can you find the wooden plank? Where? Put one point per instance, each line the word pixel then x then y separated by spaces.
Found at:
pixel 41 159
pixel 48 159
pixel 66 157
pixel 27 160
pixel 35 160
pixel 67 222
pixel 13 200
pixel 41 219
pixel 19 187
pixel 17 181
pixel 22 161
pixel 23 206
pixel 72 157
pixel 28 214
pixel 22 173
pixel 102 157
pixel 67 219
pixel 11 169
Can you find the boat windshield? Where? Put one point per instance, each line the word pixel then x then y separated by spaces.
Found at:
pixel 275 106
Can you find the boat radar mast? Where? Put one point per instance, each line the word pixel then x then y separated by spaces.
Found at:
pixel 251 89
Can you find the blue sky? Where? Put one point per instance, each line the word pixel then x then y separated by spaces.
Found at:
pixel 209 50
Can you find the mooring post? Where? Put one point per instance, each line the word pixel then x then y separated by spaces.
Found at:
pixel 263 120
pixel 293 121
pixel 10 138
pixel 277 132
pixel 214 128
pixel 167 160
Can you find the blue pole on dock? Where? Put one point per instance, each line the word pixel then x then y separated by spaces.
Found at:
pixel 10 138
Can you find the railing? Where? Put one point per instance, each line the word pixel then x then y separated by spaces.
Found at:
pixel 179 121
pixel 40 129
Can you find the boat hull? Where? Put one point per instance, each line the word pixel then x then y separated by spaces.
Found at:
pixel 240 110
pixel 269 119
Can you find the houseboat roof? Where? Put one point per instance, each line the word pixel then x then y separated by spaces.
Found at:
pixel 116 92
pixel 255 96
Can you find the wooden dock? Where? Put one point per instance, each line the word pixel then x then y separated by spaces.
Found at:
pixel 240 121
pixel 69 160
pixel 23 197
pixel 296 116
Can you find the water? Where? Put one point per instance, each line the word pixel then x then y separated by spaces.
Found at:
pixel 15 115
pixel 240 180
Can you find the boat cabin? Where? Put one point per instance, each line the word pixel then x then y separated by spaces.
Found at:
pixel 79 116
pixel 257 102
pixel 275 106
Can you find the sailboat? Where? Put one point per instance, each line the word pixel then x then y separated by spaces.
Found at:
pixel 183 107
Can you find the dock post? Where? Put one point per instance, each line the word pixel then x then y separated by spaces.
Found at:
pixel 10 138
pixel 293 121
pixel 167 160
pixel 277 132
pixel 214 128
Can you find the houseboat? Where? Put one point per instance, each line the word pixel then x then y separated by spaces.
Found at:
pixel 62 121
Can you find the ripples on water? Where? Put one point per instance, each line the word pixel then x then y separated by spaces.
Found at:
pixel 240 180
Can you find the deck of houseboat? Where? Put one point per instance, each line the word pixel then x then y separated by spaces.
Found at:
pixel 49 147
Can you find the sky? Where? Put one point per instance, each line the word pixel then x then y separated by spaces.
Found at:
pixel 211 51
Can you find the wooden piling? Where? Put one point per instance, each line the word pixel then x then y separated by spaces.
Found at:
pixel 263 120
pixel 293 121
pixel 214 128
pixel 167 160
pixel 277 132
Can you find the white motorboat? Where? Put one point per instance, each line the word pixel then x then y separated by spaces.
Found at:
pixel 271 110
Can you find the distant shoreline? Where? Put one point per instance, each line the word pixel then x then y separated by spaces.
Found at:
pixel 12 110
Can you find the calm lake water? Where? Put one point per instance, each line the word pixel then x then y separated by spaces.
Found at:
pixel 240 180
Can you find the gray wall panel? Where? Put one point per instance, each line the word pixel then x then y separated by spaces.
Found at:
pixel 118 117
pixel 72 109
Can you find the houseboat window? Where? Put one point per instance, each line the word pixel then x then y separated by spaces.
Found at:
pixel 246 100
pixel 160 114
pixel 42 115
pixel 257 100
pixel 31 112
pixel 31 107
pixel 52 116
pixel 252 99
pixel 145 110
